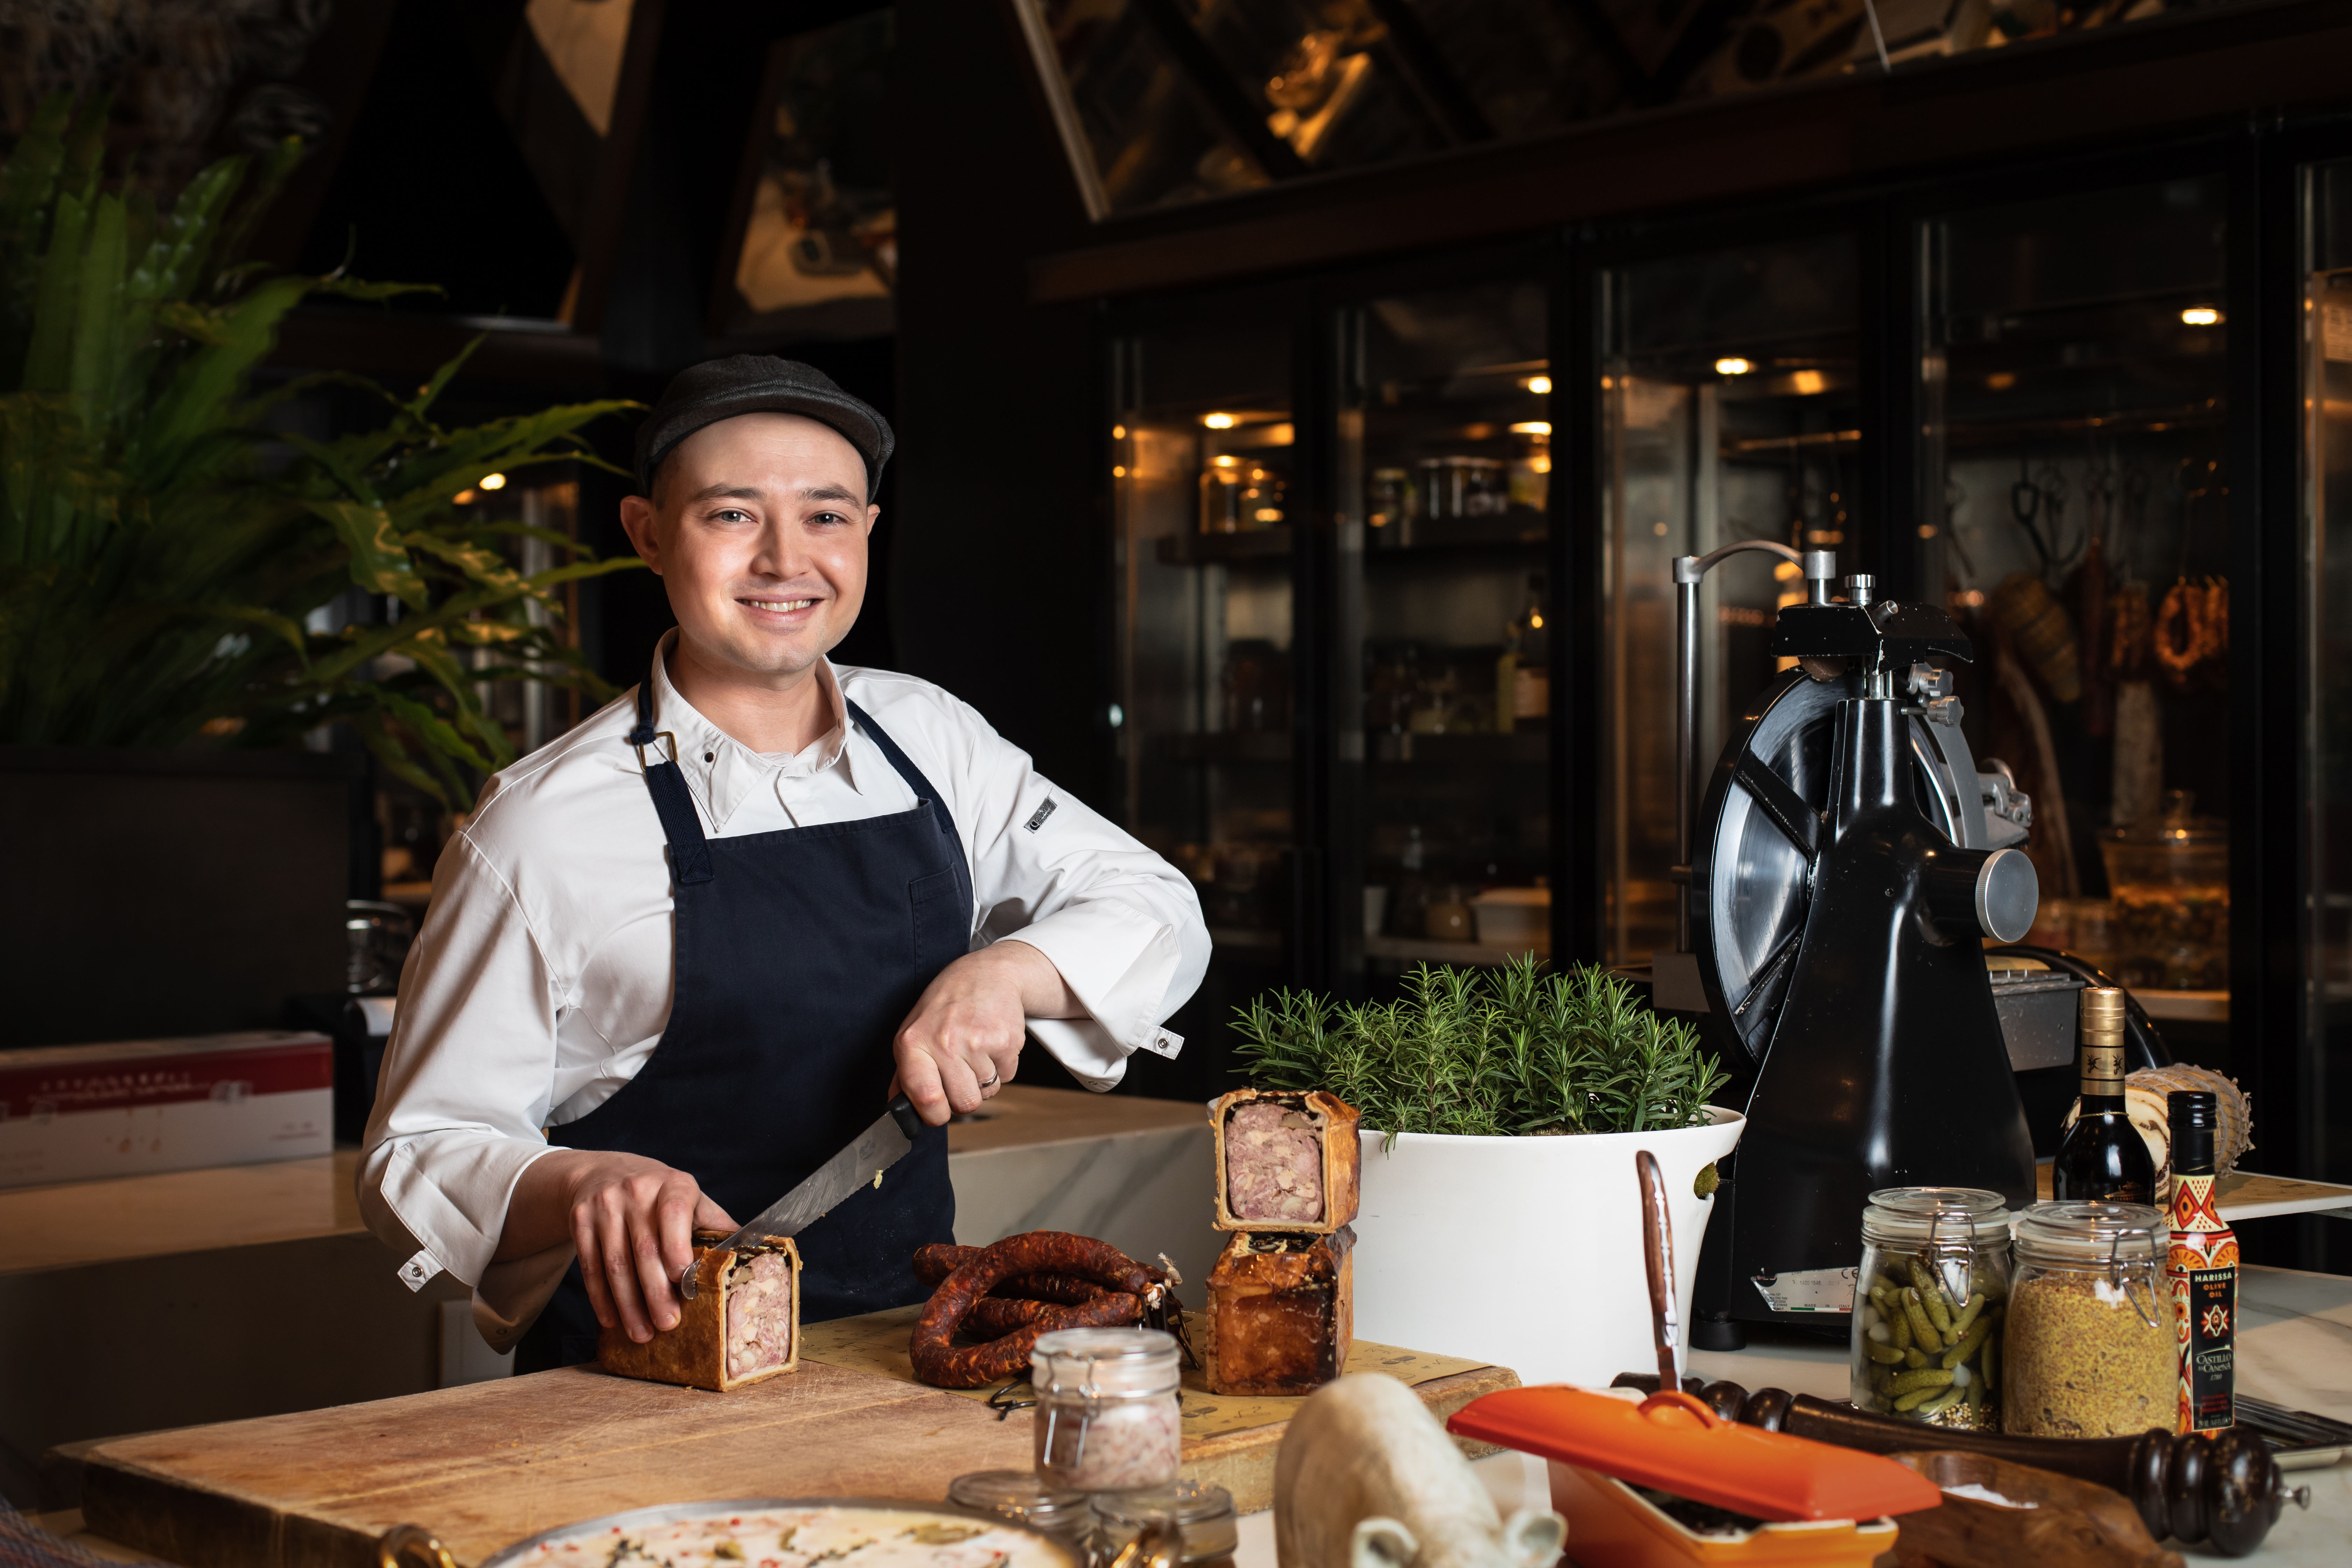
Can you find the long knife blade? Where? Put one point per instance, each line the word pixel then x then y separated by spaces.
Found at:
pixel 860 1165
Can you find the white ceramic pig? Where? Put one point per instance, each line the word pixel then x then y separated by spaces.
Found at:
pixel 1367 1478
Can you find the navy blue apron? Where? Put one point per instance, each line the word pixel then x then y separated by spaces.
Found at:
pixel 798 954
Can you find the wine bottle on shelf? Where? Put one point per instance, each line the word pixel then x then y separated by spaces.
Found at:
pixel 2103 1156
pixel 2202 1264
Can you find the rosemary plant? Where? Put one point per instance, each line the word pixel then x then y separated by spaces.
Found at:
pixel 163 556
pixel 1493 1052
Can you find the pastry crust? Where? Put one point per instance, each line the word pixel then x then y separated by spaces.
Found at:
pixel 694 1354
pixel 1281 1313
pixel 1335 1124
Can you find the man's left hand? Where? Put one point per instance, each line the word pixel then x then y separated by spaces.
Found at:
pixel 962 1042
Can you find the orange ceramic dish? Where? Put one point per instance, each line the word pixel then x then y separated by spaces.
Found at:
pixel 1822 1506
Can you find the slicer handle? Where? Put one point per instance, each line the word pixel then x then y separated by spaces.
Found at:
pixel 902 1112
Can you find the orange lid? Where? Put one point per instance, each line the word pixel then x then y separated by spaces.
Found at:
pixel 1673 1442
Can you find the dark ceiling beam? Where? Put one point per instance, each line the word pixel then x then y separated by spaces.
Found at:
pixel 1602 28
pixel 1227 104
pixel 1423 67
pixel 2171 75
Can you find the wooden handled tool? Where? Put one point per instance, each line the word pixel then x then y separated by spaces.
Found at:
pixel 2226 1489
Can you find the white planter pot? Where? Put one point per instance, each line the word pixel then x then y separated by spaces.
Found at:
pixel 1525 1252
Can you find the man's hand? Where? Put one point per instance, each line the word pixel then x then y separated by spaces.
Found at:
pixel 962 1042
pixel 633 1220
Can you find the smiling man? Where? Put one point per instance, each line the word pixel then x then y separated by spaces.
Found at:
pixel 679 959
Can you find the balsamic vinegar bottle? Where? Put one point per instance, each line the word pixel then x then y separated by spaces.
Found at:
pixel 2203 1267
pixel 2103 1155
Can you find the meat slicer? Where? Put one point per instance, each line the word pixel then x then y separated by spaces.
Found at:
pixel 1842 869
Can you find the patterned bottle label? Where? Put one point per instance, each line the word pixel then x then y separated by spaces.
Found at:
pixel 2203 1265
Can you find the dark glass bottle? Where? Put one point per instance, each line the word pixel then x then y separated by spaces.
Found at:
pixel 2103 1156
pixel 2203 1267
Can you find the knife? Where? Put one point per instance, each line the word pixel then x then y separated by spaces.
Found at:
pixel 860 1165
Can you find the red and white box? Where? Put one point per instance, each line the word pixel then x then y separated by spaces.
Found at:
pixel 129 1108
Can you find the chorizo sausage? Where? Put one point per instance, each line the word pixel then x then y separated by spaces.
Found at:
pixel 940 1362
pixel 993 1317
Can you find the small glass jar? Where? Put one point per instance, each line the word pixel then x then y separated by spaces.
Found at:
pixel 2092 1348
pixel 1927 1306
pixel 1106 1412
pixel 1019 1497
pixel 1202 1514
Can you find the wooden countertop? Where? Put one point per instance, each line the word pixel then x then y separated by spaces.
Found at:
pixel 490 1463
pixel 76 1224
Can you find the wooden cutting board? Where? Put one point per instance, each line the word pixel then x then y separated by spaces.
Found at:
pixel 493 1463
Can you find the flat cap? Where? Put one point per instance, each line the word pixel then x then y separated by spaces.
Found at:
pixel 758 384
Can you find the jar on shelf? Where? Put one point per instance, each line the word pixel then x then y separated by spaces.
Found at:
pixel 2092 1349
pixel 1202 1513
pixel 1927 1306
pixel 1106 1410
pixel 1021 1498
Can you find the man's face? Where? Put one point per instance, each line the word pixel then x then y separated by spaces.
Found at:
pixel 758 529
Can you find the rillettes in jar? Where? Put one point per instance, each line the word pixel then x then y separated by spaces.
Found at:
pixel 2092 1336
pixel 1927 1306
pixel 1106 1410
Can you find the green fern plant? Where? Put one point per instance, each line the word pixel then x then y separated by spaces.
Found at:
pixel 161 551
pixel 1488 1051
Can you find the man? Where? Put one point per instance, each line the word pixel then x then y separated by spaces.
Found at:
pixel 680 958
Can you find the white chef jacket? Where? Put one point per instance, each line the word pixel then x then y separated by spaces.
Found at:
pixel 540 983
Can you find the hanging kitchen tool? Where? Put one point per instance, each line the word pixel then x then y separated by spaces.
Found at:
pixel 1844 869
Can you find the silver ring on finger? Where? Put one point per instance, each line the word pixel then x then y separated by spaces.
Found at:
pixel 991 1081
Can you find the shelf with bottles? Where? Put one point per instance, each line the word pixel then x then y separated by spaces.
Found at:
pixel 1435 687
pixel 1405 951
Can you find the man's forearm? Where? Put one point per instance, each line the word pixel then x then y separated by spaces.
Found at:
pixel 1043 993
pixel 538 1213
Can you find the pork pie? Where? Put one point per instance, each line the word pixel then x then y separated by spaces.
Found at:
pixel 743 1324
pixel 1286 1161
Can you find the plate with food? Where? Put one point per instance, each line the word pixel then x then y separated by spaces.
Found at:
pixel 762 1532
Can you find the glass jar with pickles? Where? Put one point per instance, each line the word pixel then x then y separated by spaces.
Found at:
pixel 1928 1303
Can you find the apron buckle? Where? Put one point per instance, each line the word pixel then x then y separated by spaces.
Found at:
pixel 658 737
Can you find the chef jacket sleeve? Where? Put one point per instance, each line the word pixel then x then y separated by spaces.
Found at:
pixel 1122 925
pixel 466 1074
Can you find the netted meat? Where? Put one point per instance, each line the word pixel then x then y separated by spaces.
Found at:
pixel 759 1314
pixel 1273 1164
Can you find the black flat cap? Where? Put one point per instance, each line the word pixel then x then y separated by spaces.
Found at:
pixel 758 384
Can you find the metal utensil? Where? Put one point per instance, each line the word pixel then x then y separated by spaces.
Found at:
pixel 869 1154
pixel 1658 1262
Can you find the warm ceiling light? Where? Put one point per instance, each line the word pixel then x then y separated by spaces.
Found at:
pixel 2001 380
pixel 1119 432
pixel 2201 316
pixel 466 497
pixel 494 481
pixel 1532 428
pixel 1218 421
pixel 1809 384
pixel 1228 462
pixel 1119 473
pixel 1539 384
pixel 1733 366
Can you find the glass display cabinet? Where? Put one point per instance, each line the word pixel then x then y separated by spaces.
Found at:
pixel 2326 612
pixel 1204 547
pixel 1728 392
pixel 2073 393
pixel 1441 631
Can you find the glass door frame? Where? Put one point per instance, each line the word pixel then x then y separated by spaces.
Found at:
pixel 1338 299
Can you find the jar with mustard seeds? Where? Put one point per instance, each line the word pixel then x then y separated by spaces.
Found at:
pixel 1928 1304
pixel 2092 1349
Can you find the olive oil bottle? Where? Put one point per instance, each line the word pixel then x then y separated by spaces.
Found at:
pixel 2103 1156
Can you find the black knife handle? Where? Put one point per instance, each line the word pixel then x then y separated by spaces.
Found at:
pixel 902 1112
